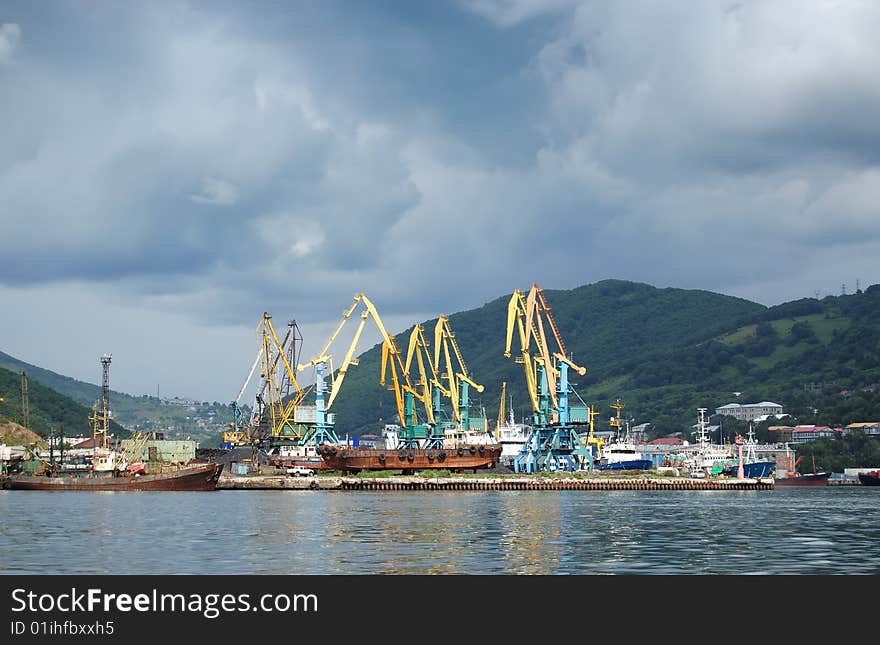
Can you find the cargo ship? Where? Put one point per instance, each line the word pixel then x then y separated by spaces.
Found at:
pixel 462 457
pixel 193 477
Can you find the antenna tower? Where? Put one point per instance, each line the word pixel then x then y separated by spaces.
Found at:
pixel 25 412
pixel 102 419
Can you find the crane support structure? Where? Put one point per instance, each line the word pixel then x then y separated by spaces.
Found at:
pixel 554 443
pixel 275 418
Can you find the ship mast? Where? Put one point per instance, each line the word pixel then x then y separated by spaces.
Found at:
pixel 615 420
pixel 701 431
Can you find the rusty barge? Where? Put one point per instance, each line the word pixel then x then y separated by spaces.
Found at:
pixel 464 457
pixel 197 477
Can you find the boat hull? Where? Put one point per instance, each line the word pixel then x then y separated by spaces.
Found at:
pixel 351 459
pixel 200 477
pixel 631 464
pixel 754 470
pixel 810 479
pixel 870 479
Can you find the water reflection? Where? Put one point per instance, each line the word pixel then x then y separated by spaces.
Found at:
pixel 816 531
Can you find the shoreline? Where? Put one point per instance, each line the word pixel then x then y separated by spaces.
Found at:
pixel 507 482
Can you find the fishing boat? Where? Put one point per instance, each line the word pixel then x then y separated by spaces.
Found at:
pixel 193 477
pixel 753 468
pixel 461 457
pixel 707 459
pixel 870 478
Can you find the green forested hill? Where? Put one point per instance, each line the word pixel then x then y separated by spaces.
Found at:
pixel 47 409
pixel 662 352
pixel 83 393
pixel 666 352
pixel 141 412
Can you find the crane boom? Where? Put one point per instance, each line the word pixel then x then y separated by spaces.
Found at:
pixel 516 314
pixel 391 360
pixel 577 368
pixel 501 411
pixel 349 360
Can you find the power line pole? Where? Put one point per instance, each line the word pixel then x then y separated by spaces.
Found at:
pixel 25 412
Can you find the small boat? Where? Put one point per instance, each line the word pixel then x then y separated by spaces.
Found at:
pixel 707 460
pixel 870 478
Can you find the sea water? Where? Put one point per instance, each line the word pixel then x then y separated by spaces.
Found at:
pixel 824 530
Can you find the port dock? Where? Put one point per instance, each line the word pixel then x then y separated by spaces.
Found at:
pixel 416 483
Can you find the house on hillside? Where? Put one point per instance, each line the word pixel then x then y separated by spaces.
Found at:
pixel 868 427
pixel 802 434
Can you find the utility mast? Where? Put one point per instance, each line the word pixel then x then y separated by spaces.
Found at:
pixel 25 413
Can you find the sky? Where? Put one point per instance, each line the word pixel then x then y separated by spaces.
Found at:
pixel 171 170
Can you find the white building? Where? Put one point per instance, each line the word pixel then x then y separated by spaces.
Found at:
pixel 750 411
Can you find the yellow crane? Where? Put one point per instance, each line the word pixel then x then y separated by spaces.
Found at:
pixel 456 380
pixel 392 363
pixel 526 314
pixel 553 443
pixel 276 417
pixel 591 441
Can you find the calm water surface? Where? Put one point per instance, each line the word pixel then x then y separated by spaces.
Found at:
pixel 831 530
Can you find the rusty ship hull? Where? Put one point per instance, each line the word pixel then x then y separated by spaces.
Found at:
pixel 351 459
pixel 199 477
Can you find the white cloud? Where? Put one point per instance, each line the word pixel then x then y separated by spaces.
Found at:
pixel 507 13
pixel 216 191
pixel 10 33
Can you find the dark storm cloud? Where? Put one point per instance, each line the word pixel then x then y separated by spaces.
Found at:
pixel 220 159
